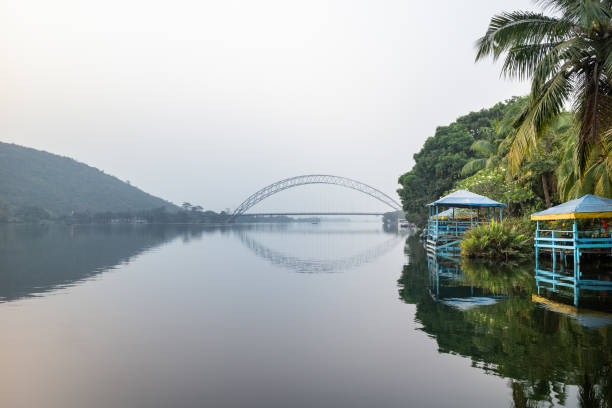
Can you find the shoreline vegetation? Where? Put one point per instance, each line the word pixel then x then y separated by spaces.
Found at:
pixel 528 152
pixel 32 215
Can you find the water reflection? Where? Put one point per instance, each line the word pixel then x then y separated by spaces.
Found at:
pixel 36 259
pixel 589 290
pixel 311 265
pixel 508 332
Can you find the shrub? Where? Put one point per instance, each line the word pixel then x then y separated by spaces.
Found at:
pixel 523 225
pixel 500 241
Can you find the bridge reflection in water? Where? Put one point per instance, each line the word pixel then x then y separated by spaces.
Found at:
pixel 304 264
pixel 68 255
pixel 553 353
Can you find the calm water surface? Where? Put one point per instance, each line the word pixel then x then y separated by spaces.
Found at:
pixel 330 315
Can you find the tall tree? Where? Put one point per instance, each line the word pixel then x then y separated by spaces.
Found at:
pixel 568 56
pixel 438 164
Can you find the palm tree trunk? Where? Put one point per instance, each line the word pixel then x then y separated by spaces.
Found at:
pixel 545 188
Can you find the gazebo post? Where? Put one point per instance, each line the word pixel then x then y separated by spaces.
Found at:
pixel 537 244
pixel 470 208
pixel 554 252
pixel 436 238
pixel 428 222
pixel 576 253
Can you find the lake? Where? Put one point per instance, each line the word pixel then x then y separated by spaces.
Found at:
pixel 282 315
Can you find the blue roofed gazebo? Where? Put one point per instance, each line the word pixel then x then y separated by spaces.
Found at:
pixel 446 225
pixel 574 228
pixel 465 199
pixel 587 206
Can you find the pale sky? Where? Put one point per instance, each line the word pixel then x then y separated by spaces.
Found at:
pixel 208 101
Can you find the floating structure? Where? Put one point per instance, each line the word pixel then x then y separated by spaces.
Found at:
pixel 451 216
pixel 575 228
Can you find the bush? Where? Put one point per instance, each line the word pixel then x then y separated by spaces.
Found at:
pixel 523 225
pixel 499 241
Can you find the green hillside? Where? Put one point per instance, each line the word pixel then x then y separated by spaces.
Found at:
pixel 33 178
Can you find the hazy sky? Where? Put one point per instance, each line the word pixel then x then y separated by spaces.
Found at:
pixel 207 101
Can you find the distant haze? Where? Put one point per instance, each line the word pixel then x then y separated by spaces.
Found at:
pixel 207 101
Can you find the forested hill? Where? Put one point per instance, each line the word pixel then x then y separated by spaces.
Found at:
pixel 32 178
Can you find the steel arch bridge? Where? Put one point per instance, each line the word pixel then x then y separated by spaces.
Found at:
pixel 313 179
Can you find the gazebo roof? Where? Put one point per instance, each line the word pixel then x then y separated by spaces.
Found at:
pixel 587 206
pixel 444 214
pixel 464 198
pixel 453 213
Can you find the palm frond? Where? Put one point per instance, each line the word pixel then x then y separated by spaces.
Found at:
pixel 593 105
pixel 493 161
pixel 473 166
pixel 583 13
pixel 483 147
pixel 507 30
pixel 522 59
pixel 540 113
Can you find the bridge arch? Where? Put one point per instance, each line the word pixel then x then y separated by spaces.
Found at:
pixel 314 179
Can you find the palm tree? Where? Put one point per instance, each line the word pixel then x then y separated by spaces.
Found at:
pixel 494 146
pixel 596 180
pixel 544 158
pixel 568 56
pixel 488 150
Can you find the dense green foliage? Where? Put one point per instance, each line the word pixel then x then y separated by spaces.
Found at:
pixel 37 185
pixel 496 240
pixel 438 164
pixel 548 175
pixel 494 184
